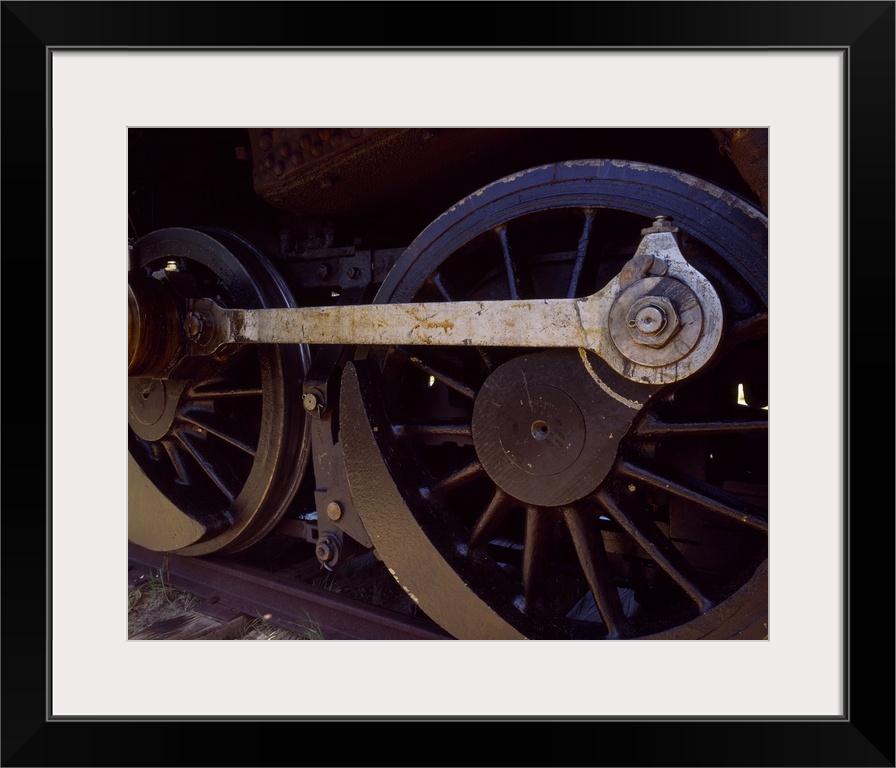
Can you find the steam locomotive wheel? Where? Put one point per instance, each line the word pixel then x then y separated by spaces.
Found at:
pixel 518 493
pixel 217 445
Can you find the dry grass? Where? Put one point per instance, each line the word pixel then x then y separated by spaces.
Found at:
pixel 365 579
pixel 259 629
pixel 152 601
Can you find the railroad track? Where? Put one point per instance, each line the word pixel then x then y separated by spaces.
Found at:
pixel 231 590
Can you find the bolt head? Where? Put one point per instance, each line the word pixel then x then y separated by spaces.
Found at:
pixel 327 549
pixel 649 320
pixel 193 325
pixel 678 337
pixel 652 321
pixel 660 224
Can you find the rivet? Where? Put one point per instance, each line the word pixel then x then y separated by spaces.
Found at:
pixel 266 141
pixel 279 168
pixel 285 150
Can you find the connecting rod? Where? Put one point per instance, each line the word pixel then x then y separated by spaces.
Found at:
pixel 657 321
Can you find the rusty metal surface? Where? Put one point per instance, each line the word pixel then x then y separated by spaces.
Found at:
pixel 545 431
pixel 153 326
pixel 290 604
pixel 218 447
pixel 748 150
pixel 336 171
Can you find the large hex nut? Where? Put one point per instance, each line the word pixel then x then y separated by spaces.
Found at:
pixel 652 321
pixel 662 303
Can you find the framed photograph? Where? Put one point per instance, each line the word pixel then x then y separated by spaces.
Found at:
pixel 806 684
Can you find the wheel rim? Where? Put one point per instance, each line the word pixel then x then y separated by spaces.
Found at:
pixel 670 539
pixel 217 449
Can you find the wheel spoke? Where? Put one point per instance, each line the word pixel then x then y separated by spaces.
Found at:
pixel 517 282
pixel 581 251
pixel 539 529
pixel 457 479
pixel 708 497
pixel 217 432
pixel 653 427
pixel 152 449
pixel 196 394
pixel 439 283
pixel 486 357
pixel 592 554
pixel 658 548
pixel 433 430
pixel 177 460
pixel 748 329
pixel 446 378
pixel 227 486
pixel 492 516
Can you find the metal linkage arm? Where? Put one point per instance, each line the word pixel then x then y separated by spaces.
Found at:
pixel 657 321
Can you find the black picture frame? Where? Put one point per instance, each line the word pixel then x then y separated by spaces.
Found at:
pixel 864 736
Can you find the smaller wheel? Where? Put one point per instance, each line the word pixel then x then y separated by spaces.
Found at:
pixel 217 444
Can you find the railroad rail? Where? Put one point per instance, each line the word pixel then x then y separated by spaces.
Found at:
pixel 285 602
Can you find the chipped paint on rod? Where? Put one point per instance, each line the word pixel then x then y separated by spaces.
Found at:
pixel 532 323
pixel 658 321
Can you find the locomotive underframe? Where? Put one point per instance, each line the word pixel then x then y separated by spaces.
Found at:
pixel 367 488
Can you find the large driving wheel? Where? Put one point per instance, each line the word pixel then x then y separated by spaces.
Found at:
pixel 538 493
pixel 217 444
